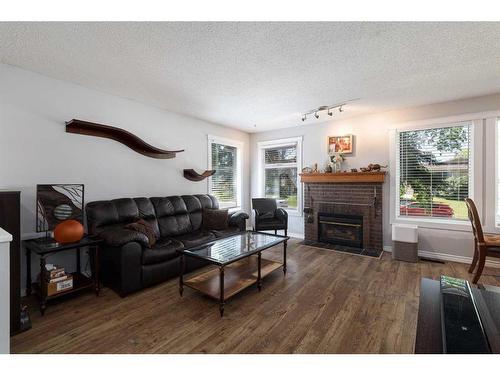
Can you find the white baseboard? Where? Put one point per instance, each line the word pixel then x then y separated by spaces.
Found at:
pixel 449 257
pixel 300 236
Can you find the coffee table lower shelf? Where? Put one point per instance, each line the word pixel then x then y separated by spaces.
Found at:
pixel 237 276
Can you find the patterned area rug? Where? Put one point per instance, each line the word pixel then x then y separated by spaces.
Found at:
pixel 344 249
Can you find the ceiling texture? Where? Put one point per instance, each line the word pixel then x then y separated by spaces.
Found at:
pixel 264 75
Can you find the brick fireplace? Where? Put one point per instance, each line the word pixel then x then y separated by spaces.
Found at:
pixel 344 211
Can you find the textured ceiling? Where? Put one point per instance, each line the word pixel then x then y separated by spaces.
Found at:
pixel 264 74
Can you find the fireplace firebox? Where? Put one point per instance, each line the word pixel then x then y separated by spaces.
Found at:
pixel 339 229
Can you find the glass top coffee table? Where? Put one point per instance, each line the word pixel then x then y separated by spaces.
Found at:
pixel 237 267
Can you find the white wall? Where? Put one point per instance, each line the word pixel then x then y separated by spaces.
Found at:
pixel 372 145
pixel 35 149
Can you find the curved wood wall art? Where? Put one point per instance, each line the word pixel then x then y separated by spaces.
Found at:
pixel 119 135
pixel 192 175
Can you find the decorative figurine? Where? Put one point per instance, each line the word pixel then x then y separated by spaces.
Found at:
pixel 336 158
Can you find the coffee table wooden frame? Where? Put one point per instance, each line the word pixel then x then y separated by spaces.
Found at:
pixel 233 276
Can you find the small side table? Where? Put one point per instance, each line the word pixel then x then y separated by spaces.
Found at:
pixel 46 247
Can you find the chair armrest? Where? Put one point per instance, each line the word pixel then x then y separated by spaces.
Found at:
pixel 238 219
pixel 118 237
pixel 282 215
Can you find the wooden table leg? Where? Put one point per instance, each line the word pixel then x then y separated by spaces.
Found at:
pixel 96 270
pixel 28 271
pixel 43 286
pixel 259 278
pixel 78 261
pixel 284 257
pixel 221 301
pixel 181 275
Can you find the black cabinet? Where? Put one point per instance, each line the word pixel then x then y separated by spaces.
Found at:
pixel 10 220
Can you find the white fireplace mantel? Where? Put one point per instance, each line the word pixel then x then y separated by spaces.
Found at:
pixel 5 239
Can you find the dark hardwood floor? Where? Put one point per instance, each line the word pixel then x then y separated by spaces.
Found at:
pixel 328 302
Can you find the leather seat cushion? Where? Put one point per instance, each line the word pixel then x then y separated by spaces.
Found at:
pixel 226 232
pixel 164 249
pixel 270 222
pixel 195 238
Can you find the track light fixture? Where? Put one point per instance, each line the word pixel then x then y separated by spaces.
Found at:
pixel 327 108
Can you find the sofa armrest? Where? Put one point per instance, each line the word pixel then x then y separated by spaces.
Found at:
pixel 118 237
pixel 238 219
pixel 281 215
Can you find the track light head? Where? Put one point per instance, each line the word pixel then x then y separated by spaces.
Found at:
pixel 304 117
pixel 330 112
pixel 340 109
pixel 316 114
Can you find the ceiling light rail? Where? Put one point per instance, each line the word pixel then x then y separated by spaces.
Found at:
pixel 327 108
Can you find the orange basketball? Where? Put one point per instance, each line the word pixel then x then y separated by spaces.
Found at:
pixel 68 231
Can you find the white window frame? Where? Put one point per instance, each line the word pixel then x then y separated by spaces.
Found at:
pixel 239 163
pixel 262 146
pixel 476 165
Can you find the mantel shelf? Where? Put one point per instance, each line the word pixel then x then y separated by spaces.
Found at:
pixel 348 177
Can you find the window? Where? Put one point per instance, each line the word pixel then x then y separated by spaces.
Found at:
pixel 225 157
pixel 434 171
pixel 280 166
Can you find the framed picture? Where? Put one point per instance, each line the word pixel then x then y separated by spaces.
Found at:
pixel 56 203
pixel 342 143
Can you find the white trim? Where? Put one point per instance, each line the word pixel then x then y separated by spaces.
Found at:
pixel 449 257
pixel 293 141
pixel 299 236
pixel 5 236
pixel 239 145
pixel 439 121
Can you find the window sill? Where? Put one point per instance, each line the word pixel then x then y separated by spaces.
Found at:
pixel 439 224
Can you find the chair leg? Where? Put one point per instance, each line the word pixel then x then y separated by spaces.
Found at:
pixel 480 267
pixel 275 231
pixel 474 260
pixel 286 232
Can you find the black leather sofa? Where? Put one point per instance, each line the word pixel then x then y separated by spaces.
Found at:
pixel 127 264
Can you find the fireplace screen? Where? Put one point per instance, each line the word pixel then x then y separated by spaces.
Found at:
pixel 344 230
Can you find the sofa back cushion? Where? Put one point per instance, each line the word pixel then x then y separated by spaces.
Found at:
pixel 119 212
pixel 168 216
pixel 172 216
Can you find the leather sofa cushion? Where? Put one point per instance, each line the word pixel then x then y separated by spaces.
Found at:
pixel 207 201
pixel 172 216
pixel 165 249
pixel 195 238
pixel 195 210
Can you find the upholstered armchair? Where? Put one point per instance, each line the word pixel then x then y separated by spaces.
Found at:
pixel 268 216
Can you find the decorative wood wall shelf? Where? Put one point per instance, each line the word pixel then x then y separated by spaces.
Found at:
pixel 353 177
pixel 119 135
pixel 192 175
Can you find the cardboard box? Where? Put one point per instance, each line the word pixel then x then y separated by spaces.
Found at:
pixel 60 286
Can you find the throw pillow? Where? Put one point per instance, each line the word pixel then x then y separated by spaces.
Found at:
pixel 142 226
pixel 215 219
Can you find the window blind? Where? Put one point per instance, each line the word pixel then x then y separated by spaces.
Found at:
pixel 435 171
pixel 280 175
pixel 281 155
pixel 224 181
